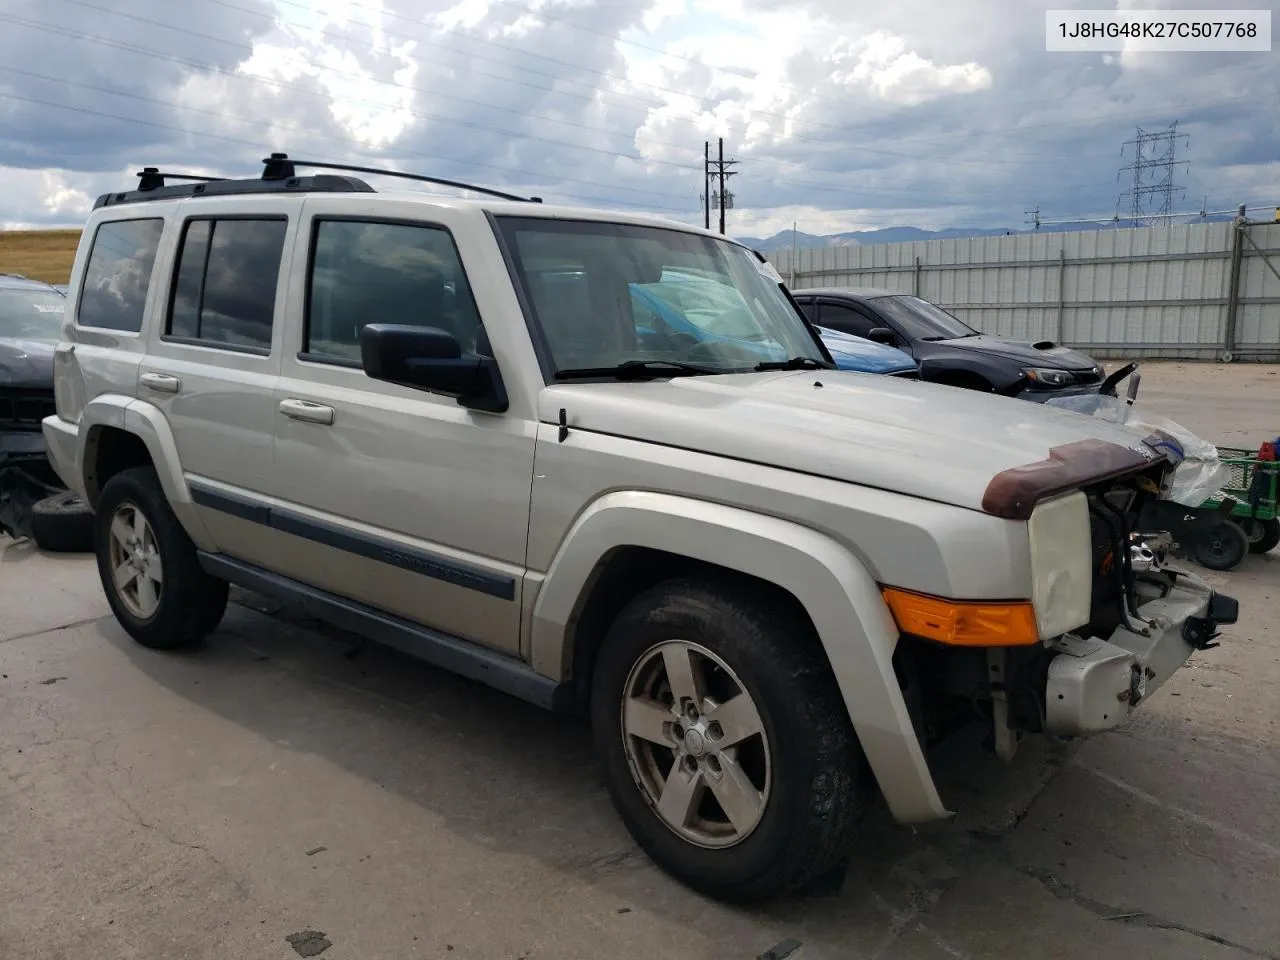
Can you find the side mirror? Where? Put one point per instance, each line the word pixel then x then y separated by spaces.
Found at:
pixel 882 335
pixel 428 358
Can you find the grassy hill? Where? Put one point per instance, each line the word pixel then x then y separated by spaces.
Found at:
pixel 39 254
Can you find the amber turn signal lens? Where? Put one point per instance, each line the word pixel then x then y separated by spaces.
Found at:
pixel 962 624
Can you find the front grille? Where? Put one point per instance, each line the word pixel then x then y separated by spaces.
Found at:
pixel 22 409
pixel 1089 376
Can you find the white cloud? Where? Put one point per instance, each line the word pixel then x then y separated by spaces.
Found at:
pixel 883 64
pixel 61 199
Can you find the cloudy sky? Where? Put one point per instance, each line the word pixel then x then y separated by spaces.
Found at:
pixel 844 114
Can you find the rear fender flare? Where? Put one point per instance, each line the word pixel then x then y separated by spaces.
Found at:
pixel 836 589
pixel 148 424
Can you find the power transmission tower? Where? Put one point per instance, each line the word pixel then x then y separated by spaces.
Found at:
pixel 1155 157
pixel 713 183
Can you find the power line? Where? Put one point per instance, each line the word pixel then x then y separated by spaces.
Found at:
pixel 259 145
pixel 283 85
pixel 986 162
pixel 280 84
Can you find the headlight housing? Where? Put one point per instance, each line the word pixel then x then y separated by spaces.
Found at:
pixel 1061 564
pixel 1049 377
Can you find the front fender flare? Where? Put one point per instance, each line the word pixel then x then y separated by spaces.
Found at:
pixel 833 585
pixel 146 422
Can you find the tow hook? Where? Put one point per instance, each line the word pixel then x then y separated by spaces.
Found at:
pixel 1200 632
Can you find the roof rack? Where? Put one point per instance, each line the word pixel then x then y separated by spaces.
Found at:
pixel 279 166
pixel 150 178
pixel 279 175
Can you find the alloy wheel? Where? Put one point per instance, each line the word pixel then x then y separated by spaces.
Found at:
pixel 696 744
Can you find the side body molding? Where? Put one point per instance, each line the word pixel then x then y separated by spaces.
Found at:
pixel 832 584
pixel 148 424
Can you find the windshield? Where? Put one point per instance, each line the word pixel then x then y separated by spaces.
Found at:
pixel 607 293
pixel 922 320
pixel 31 314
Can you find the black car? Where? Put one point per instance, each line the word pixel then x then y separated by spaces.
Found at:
pixel 948 350
pixel 33 500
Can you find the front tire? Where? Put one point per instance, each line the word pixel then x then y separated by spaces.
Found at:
pixel 149 568
pixel 727 750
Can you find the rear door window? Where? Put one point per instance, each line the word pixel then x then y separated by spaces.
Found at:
pixel 224 291
pixel 118 275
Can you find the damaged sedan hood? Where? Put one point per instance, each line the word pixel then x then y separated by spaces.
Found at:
pixel 973 450
pixel 26 363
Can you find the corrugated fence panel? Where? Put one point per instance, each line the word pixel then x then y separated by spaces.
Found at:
pixel 1159 291
pixel 1258 321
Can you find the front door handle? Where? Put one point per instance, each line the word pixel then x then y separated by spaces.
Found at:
pixel 162 382
pixel 305 410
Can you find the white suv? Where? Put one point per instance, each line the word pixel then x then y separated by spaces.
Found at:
pixel 457 427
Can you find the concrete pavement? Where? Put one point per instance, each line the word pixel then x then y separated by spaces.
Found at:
pixel 288 782
pixel 213 804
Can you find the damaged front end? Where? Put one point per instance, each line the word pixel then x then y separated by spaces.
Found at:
pixel 1146 619
pixel 26 476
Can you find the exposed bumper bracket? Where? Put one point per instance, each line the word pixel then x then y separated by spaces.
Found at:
pixel 1201 632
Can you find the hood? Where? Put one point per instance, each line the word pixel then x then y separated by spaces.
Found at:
pixel 26 363
pixel 856 353
pixel 1043 353
pixel 920 439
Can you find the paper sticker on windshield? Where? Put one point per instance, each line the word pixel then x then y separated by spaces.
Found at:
pixel 50 307
pixel 765 267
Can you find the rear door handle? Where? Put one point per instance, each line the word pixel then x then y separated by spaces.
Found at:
pixel 305 410
pixel 162 382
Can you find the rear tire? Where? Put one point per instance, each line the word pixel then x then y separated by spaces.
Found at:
pixel 62 523
pixel 782 755
pixel 1222 546
pixel 1263 535
pixel 149 568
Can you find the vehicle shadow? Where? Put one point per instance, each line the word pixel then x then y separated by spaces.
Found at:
pixel 509 776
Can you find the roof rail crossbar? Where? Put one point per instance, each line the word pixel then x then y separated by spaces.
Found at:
pixel 151 178
pixel 320 183
pixel 279 165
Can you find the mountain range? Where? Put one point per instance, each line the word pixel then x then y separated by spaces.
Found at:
pixel 783 239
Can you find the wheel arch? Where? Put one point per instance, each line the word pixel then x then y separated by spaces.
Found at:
pixel 627 541
pixel 119 432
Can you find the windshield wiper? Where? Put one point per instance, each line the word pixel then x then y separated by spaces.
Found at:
pixel 637 370
pixel 794 363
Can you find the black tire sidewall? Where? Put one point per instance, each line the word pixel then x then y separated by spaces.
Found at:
pixel 793 769
pixel 63 523
pixel 185 593
pixel 1236 540
pixel 1268 539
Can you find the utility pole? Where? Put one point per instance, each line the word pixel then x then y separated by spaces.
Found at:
pixel 1151 196
pixel 723 198
pixel 706 184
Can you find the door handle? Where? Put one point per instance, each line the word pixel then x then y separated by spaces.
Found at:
pixel 162 382
pixel 307 411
